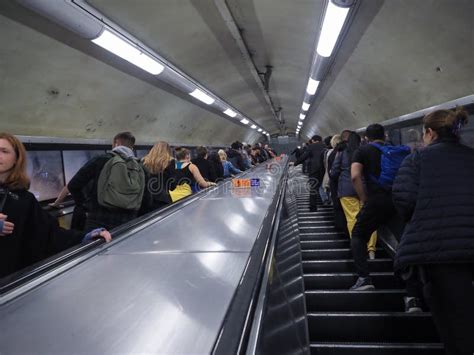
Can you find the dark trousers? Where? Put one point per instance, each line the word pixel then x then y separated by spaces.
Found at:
pixel 314 183
pixel 449 293
pixel 375 212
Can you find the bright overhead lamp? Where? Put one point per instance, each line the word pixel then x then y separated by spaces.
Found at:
pixel 334 19
pixel 302 117
pixel 244 121
pixel 253 126
pixel 202 96
pixel 259 130
pixel 230 113
pixel 305 106
pixel 312 86
pixel 118 46
pixel 264 132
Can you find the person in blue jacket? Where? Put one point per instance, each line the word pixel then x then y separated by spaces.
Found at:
pixel 229 168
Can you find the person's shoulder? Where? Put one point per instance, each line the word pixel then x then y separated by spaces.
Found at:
pixel 23 195
pixel 100 159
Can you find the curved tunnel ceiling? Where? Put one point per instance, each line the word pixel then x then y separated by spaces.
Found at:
pixel 397 57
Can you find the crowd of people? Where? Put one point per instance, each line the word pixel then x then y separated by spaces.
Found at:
pixel 367 181
pixel 109 190
pixel 429 185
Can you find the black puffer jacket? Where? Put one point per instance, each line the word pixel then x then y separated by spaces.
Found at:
pixel 434 192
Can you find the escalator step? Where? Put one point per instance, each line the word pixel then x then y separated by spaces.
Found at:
pixel 343 281
pixel 325 244
pixel 316 229
pixel 355 301
pixel 398 327
pixel 331 254
pixel 320 235
pixel 317 222
pixel 376 349
pixel 344 266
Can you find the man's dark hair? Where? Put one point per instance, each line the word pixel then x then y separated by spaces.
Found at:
pixel 345 135
pixel 125 138
pixel 201 151
pixel 375 132
pixel 327 141
pixel 316 138
pixel 236 145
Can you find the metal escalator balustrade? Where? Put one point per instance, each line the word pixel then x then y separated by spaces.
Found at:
pixel 341 321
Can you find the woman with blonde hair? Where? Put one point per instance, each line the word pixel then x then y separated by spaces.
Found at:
pixel 229 168
pixel 27 233
pixel 159 168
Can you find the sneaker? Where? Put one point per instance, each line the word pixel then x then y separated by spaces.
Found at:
pixel 412 305
pixel 362 284
pixel 371 255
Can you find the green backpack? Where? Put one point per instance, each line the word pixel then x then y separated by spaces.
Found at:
pixel 121 183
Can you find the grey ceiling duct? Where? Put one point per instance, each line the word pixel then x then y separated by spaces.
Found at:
pixel 66 14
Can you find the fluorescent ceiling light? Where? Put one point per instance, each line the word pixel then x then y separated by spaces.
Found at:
pixel 202 96
pixel 230 113
pixel 312 86
pixel 253 126
pixel 305 106
pixel 302 117
pixel 332 25
pixel 244 121
pixel 299 124
pixel 264 132
pixel 127 51
pixel 260 130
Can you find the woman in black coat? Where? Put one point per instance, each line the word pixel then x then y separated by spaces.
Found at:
pixel 434 192
pixel 27 233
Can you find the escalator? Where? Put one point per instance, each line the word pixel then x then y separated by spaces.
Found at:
pixel 354 322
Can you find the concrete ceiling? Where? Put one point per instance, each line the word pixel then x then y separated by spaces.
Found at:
pixel 53 83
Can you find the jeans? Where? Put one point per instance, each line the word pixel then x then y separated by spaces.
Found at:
pixel 324 195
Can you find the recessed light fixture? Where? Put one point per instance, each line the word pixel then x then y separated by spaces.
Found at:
pixel 230 113
pixel 125 50
pixel 305 106
pixel 333 22
pixel 253 126
pixel 312 86
pixel 302 117
pixel 202 96
pixel 244 121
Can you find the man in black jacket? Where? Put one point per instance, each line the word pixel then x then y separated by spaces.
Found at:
pixel 207 171
pixel 377 202
pixel 100 216
pixel 235 157
pixel 315 154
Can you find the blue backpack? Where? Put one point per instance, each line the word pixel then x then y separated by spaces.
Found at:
pixel 391 160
